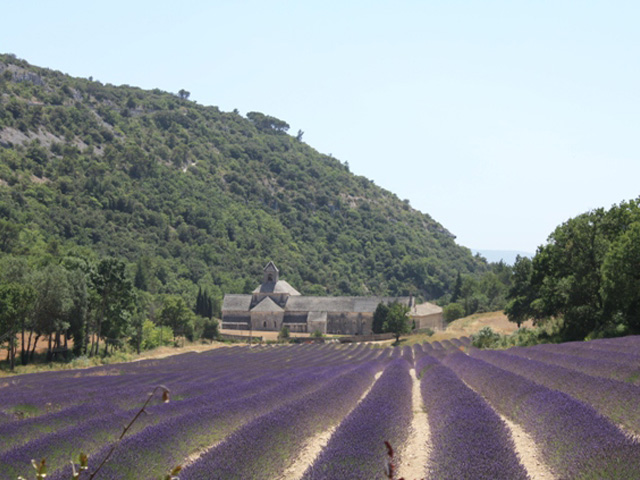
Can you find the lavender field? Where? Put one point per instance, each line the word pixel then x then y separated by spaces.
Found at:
pixel 316 412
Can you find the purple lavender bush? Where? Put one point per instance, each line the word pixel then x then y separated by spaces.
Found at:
pixel 616 400
pixel 575 441
pixel 275 439
pixel 356 450
pixel 468 439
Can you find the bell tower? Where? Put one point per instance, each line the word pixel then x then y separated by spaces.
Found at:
pixel 270 273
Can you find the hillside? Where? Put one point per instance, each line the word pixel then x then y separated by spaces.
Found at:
pixel 189 195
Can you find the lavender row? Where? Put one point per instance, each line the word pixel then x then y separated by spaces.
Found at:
pixel 102 430
pixel 42 394
pixel 274 439
pixel 356 448
pixel 159 447
pixel 599 367
pixel 616 400
pixel 596 351
pixel 469 440
pixel 574 440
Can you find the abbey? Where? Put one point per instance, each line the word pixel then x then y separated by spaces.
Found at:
pixel 275 303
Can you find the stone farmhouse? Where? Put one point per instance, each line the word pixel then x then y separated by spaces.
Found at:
pixel 275 303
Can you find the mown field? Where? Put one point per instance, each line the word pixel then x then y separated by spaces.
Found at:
pixel 314 412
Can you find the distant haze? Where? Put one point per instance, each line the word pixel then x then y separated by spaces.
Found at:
pixel 507 256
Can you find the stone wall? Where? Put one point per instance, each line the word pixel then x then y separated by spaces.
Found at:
pixel 434 321
pixel 350 323
pixel 271 321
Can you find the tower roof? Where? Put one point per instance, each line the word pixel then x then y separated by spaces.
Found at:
pixel 271 267
pixel 276 287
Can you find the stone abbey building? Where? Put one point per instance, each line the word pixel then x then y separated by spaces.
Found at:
pixel 275 303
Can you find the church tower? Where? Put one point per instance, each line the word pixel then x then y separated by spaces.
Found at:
pixel 270 274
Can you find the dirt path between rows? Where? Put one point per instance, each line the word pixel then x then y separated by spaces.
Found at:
pixel 528 452
pixel 525 447
pixel 315 445
pixel 414 455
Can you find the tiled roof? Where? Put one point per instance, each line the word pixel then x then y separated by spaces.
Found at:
pixel 425 308
pixel 279 287
pixel 267 305
pixel 317 317
pixel 236 303
pixel 339 304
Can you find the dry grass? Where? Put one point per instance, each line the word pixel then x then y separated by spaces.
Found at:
pixel 467 326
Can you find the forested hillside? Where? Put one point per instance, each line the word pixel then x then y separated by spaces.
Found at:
pixel 188 196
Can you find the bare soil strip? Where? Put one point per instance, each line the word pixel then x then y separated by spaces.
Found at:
pixel 631 435
pixel 528 453
pixel 314 446
pixel 195 456
pixel 526 449
pixel 414 455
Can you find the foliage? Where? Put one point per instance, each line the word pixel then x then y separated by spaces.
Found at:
pixel 397 320
pixel 155 336
pixel 520 294
pixel 486 337
pixel 483 291
pixel 191 198
pixel 210 328
pixel 176 315
pixel 284 332
pixel 587 275
pixel 452 312
pixel 379 317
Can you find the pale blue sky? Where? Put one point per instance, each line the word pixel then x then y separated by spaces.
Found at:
pixel 501 119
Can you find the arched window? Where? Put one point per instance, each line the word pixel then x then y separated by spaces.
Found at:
pixel 264 324
pixel 270 278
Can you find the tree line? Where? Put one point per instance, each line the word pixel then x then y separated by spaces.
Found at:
pixel 586 277
pixel 89 307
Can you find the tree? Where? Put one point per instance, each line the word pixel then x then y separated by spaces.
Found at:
pixel 15 305
pixel 210 329
pixel 452 312
pixel 176 315
pixel 284 333
pixel 183 94
pixel 457 289
pixel 621 279
pixel 15 271
pixel 380 317
pixel 204 303
pixel 140 280
pixel 518 308
pixel 397 321
pixel 299 135
pixel 115 297
pixel 267 123
pixel 52 304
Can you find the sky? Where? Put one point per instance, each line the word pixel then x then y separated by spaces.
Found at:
pixel 500 119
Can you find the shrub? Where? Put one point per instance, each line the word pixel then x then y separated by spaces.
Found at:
pixel 154 336
pixel 485 338
pixel 452 312
pixel 284 332
pixel 210 329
